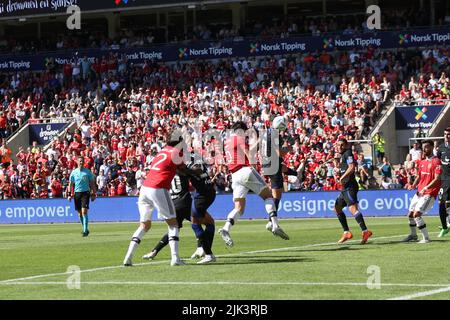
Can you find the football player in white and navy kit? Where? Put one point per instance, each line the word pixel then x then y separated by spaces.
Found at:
pixel 444 193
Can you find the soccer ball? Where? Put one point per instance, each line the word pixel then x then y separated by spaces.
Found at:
pixel 279 123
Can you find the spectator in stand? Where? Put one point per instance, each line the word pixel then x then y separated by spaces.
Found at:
pixel 56 187
pixel 102 184
pixel 385 168
pixel 363 169
pixel 416 152
pixel 5 154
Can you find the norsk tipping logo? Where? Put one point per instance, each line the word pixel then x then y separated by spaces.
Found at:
pixel 404 38
pixel 421 113
pixel 327 43
pixel 254 47
pixel 182 53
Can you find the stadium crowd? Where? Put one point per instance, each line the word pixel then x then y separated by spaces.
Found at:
pixel 123 111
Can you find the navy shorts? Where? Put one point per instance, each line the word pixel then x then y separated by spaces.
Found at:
pixel 201 204
pixel 347 198
pixel 183 211
pixel 277 181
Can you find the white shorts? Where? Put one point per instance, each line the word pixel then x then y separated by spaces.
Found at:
pixel 245 179
pixel 422 204
pixel 151 198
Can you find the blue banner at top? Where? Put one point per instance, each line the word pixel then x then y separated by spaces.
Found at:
pixel 245 48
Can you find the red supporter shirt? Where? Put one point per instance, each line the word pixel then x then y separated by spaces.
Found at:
pixel 236 158
pixel 112 191
pixel 121 189
pixel 428 170
pixel 2 122
pixel 163 168
pixel 122 153
pixel 56 188
pixel 115 144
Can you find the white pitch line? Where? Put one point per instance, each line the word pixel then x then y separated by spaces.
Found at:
pixel 421 294
pixel 167 261
pixel 362 284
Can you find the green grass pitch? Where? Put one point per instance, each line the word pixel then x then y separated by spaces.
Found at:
pixel 34 261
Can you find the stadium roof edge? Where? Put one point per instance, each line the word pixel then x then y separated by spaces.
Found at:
pixel 128 9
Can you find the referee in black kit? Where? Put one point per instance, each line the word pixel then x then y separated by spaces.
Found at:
pixel 349 194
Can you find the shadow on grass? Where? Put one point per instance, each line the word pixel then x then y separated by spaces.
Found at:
pixel 340 248
pixel 258 260
pixel 406 243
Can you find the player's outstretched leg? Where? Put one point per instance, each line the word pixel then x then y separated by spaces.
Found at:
pixel 231 220
pixel 135 241
pixel 266 195
pixel 277 193
pixel 159 246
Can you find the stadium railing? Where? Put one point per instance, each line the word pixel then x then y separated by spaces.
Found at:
pixel 423 138
pixel 442 102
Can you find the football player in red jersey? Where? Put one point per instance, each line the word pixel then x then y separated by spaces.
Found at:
pixel 246 178
pixel 155 194
pixel 429 182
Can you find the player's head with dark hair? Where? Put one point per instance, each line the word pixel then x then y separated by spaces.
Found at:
pixel 239 125
pixel 342 145
pixel 447 135
pixel 427 147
